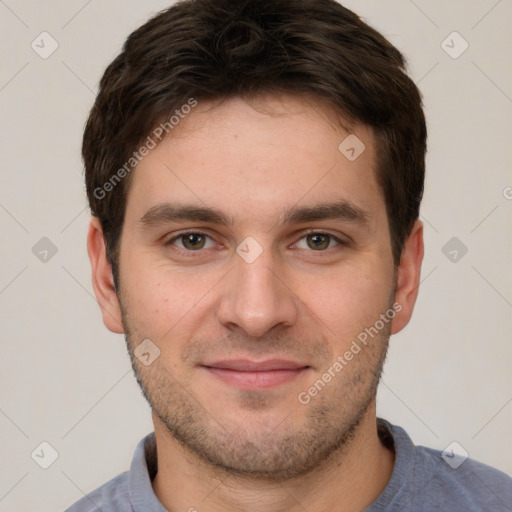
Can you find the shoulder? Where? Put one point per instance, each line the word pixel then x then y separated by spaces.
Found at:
pixel 426 479
pixel 111 496
pixel 466 482
pixel 130 490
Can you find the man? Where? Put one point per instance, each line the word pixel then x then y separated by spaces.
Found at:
pixel 255 171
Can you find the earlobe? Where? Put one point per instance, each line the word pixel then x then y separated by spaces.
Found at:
pixel 408 277
pixel 102 278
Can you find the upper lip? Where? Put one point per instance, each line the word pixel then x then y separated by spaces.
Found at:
pixel 246 365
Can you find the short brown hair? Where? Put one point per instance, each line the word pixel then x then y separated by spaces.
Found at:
pixel 215 49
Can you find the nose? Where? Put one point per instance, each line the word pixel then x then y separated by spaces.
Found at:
pixel 256 297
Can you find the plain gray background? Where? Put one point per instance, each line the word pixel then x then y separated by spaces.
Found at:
pixel 67 381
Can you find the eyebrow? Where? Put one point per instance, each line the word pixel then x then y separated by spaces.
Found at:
pixel 340 210
pixel 168 212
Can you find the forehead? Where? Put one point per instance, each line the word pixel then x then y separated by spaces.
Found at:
pixel 258 158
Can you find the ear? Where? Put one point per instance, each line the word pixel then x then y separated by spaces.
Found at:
pixel 102 278
pixel 408 277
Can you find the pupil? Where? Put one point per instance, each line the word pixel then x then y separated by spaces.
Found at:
pixel 319 241
pixel 193 241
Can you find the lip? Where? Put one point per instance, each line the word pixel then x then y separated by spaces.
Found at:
pixel 247 374
pixel 246 365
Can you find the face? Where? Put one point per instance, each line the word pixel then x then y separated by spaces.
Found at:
pixel 255 256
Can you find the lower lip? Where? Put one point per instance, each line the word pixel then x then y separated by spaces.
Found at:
pixel 256 380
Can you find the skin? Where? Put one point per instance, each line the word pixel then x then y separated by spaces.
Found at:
pixel 221 447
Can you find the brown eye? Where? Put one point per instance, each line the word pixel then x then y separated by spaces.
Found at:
pixel 193 241
pixel 188 242
pixel 318 242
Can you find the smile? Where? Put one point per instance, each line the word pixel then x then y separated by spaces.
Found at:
pixel 247 374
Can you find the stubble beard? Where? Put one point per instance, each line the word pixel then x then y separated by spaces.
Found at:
pixel 271 452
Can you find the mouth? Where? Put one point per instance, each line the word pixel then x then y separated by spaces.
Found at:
pixel 247 374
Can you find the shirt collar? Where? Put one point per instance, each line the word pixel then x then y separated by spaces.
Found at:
pixel 145 466
pixel 142 470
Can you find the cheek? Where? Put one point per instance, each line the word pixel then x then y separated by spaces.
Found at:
pixel 350 300
pixel 162 302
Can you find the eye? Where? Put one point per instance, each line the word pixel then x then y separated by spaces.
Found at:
pixel 192 241
pixel 318 241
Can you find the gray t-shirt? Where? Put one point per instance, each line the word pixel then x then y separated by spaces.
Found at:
pixel 422 481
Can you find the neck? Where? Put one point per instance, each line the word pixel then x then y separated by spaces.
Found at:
pixel 350 480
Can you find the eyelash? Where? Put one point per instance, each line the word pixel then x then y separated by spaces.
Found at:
pixel 190 253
